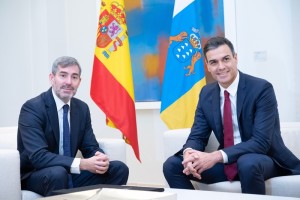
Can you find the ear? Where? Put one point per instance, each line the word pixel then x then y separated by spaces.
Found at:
pixel 235 57
pixel 208 68
pixel 51 78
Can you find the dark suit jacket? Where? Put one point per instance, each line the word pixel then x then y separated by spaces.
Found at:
pixel 38 134
pixel 258 121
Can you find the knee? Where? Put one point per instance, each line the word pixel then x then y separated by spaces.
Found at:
pixel 55 178
pixel 171 165
pixel 57 174
pixel 247 165
pixel 120 168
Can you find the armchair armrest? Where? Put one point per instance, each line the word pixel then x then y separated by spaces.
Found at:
pixel 114 148
pixel 174 140
pixel 10 187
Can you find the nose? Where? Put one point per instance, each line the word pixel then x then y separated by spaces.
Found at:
pixel 221 65
pixel 68 80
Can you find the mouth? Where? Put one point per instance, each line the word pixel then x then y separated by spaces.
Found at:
pixel 68 90
pixel 223 74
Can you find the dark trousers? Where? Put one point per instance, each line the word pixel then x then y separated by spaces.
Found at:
pixel 253 170
pixel 45 181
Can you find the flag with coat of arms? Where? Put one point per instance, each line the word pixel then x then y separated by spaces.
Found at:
pixel 112 83
pixel 184 74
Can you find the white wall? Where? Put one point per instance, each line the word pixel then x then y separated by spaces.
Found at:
pixel 267 46
pixel 34 32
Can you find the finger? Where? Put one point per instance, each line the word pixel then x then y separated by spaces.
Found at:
pixel 186 170
pixel 101 171
pixel 98 153
pixel 197 175
pixel 190 169
pixel 102 163
pixel 188 159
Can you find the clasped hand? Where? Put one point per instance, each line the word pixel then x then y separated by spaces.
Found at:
pixel 195 162
pixel 98 164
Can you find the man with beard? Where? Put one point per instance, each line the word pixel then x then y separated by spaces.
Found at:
pixel 52 128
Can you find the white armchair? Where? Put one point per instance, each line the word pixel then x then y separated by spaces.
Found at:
pixel 10 185
pixel 280 186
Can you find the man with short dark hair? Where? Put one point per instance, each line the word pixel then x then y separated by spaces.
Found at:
pixel 241 110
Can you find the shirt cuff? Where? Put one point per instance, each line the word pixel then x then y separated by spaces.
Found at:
pixel 186 150
pixel 224 155
pixel 75 168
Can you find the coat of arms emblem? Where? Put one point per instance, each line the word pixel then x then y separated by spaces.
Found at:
pixel 111 32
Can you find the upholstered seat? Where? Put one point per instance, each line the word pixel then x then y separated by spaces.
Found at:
pixel 280 186
pixel 10 185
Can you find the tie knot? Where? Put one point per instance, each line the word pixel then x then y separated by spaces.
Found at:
pixel 66 108
pixel 226 94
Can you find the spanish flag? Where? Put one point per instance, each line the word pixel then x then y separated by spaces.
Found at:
pixel 112 84
pixel 184 74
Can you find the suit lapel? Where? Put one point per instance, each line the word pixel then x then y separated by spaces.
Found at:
pixel 52 114
pixel 216 110
pixel 74 124
pixel 241 95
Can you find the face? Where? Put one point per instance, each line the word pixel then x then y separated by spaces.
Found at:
pixel 65 82
pixel 222 65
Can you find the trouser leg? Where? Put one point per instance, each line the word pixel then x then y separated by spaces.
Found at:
pixel 253 170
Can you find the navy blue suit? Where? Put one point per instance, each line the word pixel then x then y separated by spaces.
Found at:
pixel 259 127
pixel 38 144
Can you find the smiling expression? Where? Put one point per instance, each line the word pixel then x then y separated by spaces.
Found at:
pixel 65 82
pixel 222 65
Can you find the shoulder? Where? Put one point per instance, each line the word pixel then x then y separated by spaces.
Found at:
pixel 79 103
pixel 253 82
pixel 209 88
pixel 37 101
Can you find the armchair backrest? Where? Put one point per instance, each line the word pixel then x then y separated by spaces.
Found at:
pixel 175 139
pixel 8 137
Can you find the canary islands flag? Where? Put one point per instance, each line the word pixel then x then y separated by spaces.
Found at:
pixel 184 74
pixel 112 84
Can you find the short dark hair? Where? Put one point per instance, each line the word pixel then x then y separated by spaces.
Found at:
pixel 215 42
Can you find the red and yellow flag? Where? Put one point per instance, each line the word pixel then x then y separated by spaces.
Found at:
pixel 112 84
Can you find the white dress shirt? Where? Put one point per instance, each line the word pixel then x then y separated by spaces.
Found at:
pixel 75 169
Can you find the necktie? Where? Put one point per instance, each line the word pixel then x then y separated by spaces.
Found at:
pixel 66 132
pixel 230 169
pixel 66 139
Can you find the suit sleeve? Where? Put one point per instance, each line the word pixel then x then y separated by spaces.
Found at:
pixel 33 143
pixel 200 130
pixel 88 143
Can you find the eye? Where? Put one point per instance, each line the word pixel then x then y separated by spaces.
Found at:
pixel 212 63
pixel 226 59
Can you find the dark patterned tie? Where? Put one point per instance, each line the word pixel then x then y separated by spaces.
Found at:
pixel 230 169
pixel 66 132
pixel 67 139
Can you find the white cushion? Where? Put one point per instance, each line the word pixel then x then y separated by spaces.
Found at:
pixel 114 148
pixel 10 187
pixel 225 186
pixel 283 186
pixel 29 195
pixel 8 137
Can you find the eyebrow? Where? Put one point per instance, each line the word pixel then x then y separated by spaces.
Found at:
pixel 64 72
pixel 212 60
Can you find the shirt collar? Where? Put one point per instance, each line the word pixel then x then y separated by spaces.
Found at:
pixel 59 103
pixel 232 89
